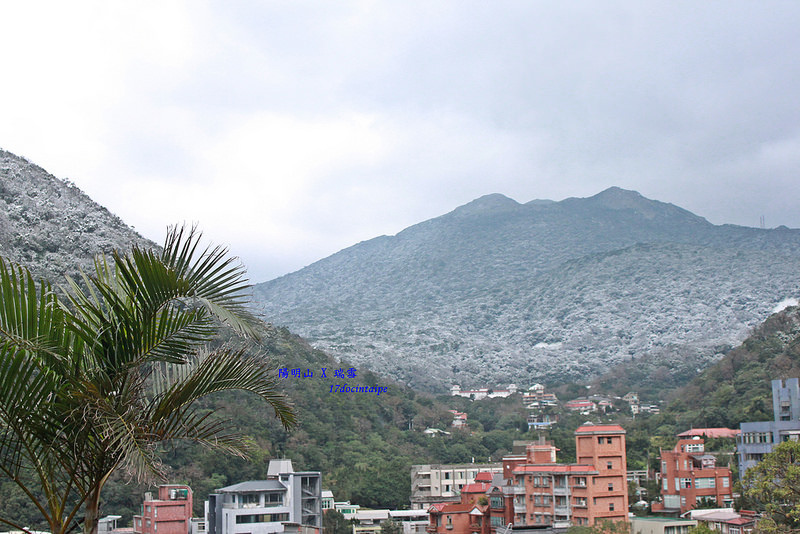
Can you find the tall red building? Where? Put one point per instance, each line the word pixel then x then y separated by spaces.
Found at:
pixel 169 513
pixel 689 475
pixel 538 491
pixel 593 489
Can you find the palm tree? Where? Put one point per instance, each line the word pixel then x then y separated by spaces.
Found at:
pixel 94 382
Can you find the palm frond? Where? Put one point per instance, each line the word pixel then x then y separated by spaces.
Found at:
pixel 222 370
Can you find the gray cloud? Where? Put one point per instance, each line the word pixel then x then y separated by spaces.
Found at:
pixel 292 130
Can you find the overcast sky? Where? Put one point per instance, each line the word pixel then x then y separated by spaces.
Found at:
pixel 290 130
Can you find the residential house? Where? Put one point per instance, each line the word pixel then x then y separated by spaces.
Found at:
pixel 168 512
pixel 459 419
pixel 482 393
pixel 689 476
pixel 287 501
pixel 432 483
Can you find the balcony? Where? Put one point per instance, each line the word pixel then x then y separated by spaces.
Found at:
pixel 560 490
pixel 562 510
pixel 519 508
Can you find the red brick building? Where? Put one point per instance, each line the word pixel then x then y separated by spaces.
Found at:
pixel 689 475
pixel 593 489
pixel 169 513
pixel 537 491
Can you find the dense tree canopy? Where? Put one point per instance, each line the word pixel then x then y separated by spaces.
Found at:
pixel 774 483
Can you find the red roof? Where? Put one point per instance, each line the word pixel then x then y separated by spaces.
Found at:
pixel 438 507
pixel 458 508
pixel 478 487
pixel 710 432
pixel 484 476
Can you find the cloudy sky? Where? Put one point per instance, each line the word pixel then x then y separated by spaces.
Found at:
pixel 290 130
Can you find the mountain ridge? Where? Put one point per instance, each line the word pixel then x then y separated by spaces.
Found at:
pixel 469 295
pixel 51 226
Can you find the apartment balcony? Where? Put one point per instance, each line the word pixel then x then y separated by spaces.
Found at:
pixel 475 527
pixel 562 510
pixel 518 490
pixel 519 509
pixel 560 490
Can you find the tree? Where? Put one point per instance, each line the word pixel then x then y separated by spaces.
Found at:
pixel 774 482
pixel 334 522
pixel 94 382
pixel 390 526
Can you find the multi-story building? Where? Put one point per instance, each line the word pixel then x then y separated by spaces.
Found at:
pixel 436 483
pixel 593 489
pixel 169 512
pixel 283 502
pixel 535 491
pixel 759 438
pixel 689 476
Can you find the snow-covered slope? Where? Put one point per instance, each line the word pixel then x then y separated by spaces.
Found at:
pixel 498 292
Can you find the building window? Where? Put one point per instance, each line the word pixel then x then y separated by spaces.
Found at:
pixel 447 476
pixel 724 482
pixel 611 507
pixel 686 483
pixel 705 483
pixel 261 518
pixel 250 500
pixel 610 486
pixel 610 465
pixel 666 484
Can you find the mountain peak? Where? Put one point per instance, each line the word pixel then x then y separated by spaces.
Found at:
pixel 491 202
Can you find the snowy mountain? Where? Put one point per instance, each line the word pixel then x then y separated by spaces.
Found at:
pixel 49 225
pixel 497 292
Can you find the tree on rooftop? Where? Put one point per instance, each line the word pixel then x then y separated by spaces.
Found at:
pixel 94 382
